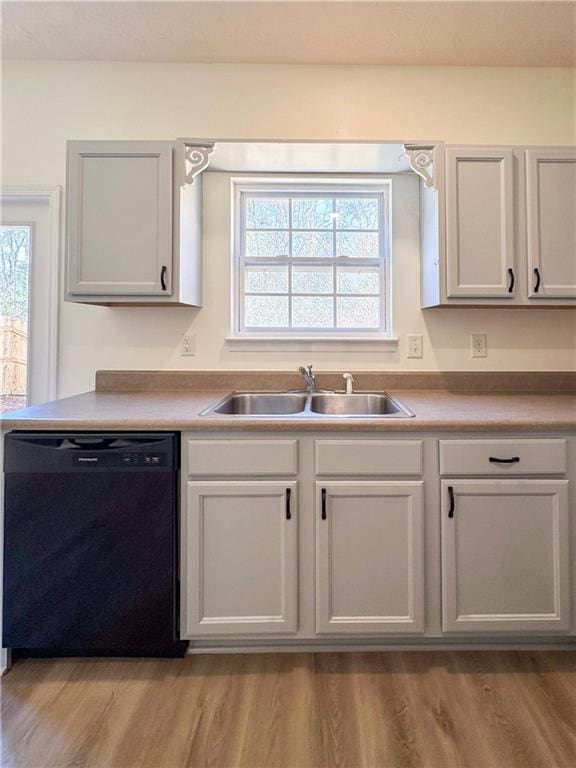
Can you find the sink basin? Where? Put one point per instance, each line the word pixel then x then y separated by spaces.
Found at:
pixel 358 404
pixel 261 404
pixel 302 405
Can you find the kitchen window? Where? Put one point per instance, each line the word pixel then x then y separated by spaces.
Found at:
pixel 312 260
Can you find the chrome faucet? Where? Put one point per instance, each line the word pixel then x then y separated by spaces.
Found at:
pixel 309 377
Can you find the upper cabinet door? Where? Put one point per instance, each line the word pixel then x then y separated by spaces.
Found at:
pixel 551 213
pixel 480 223
pixel 119 207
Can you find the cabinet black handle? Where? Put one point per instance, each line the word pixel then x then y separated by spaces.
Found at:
pixel 496 460
pixel 537 273
pixel 323 494
pixel 163 277
pixel 452 502
pixel 512 280
pixel 288 497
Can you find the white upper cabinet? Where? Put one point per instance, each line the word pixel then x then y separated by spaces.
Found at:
pixel 498 226
pixel 369 558
pixel 480 223
pixel 551 219
pixel 133 233
pixel 120 218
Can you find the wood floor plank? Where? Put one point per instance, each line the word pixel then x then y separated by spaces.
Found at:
pixel 334 710
pixel 449 733
pixel 537 692
pixel 509 730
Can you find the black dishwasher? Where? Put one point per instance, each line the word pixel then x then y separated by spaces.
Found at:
pixel 91 544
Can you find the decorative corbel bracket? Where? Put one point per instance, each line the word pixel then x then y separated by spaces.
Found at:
pixel 421 159
pixel 196 159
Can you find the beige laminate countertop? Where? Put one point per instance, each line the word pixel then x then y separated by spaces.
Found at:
pixel 179 410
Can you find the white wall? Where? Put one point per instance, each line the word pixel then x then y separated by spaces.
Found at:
pixel 45 103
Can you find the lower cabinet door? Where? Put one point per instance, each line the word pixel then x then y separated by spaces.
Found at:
pixel 240 571
pixel 369 558
pixel 505 556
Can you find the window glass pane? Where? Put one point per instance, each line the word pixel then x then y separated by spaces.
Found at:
pixel 312 312
pixel 312 213
pixel 357 213
pixel 266 212
pixel 358 280
pixel 266 311
pixel 358 312
pixel 312 244
pixel 301 287
pixel 266 280
pixel 312 280
pixel 266 244
pixel 357 245
pixel 14 297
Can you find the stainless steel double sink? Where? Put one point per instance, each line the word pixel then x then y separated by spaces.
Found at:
pixel 309 405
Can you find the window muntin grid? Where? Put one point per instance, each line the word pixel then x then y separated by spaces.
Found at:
pixel 318 254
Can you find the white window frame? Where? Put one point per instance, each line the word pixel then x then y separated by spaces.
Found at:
pixel 42 371
pixel 311 187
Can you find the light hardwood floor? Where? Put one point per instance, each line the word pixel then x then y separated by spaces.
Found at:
pixel 383 710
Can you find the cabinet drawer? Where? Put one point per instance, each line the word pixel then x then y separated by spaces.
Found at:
pixel 502 457
pixel 368 457
pixel 242 457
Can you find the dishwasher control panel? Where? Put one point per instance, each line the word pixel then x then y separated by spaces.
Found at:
pixel 144 459
pixel 49 452
pixel 120 459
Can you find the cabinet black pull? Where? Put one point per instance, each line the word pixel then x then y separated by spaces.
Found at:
pixel 288 511
pixel 496 460
pixel 163 277
pixel 537 273
pixel 511 286
pixel 323 494
pixel 452 503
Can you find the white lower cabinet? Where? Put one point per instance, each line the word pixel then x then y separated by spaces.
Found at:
pixel 369 557
pixel 241 565
pixel 294 544
pixel 505 547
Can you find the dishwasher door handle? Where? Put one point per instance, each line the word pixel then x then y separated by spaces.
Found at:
pixel 88 442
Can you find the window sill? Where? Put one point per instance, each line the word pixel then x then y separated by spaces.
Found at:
pixel 316 344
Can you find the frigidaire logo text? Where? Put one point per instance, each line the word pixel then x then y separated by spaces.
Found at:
pixel 87 458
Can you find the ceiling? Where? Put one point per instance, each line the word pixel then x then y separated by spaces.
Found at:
pixel 463 33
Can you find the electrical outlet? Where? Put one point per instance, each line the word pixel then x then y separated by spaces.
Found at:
pixel 414 345
pixel 188 345
pixel 479 345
